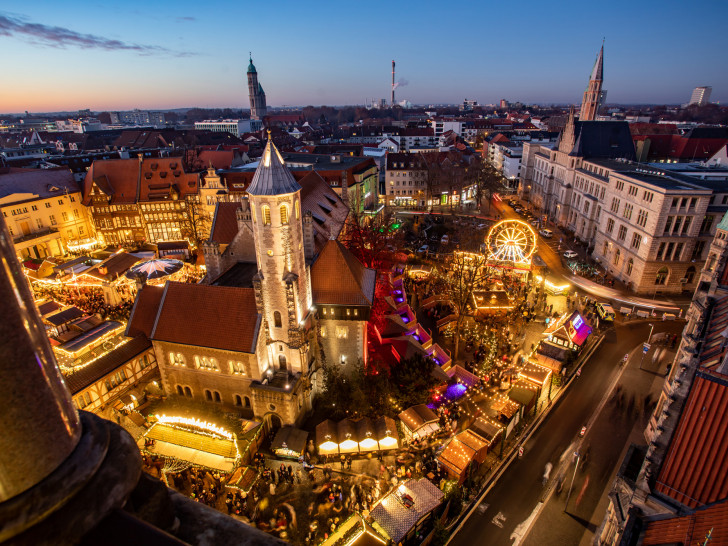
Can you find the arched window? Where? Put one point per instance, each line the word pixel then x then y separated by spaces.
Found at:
pixel 208 395
pixel 284 214
pixel 662 274
pixel 188 392
pixel 711 262
pixel 238 400
pixel 630 264
pixel 277 319
pixel 616 257
pixel 690 274
pixel 180 391
pixel 282 362
pixel 217 397
pixel 247 402
pixel 298 210
pixel 266 215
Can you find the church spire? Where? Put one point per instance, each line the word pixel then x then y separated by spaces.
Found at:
pixel 593 93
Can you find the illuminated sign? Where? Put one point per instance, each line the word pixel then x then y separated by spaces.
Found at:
pixel 577 322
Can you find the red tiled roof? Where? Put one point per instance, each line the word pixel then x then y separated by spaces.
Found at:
pixel 328 210
pixel 338 278
pixel 693 472
pixel 144 312
pixel 691 529
pixel 714 346
pixel 225 223
pixel 219 317
pixel 219 159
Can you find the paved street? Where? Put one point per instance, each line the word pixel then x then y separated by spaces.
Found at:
pixel 512 506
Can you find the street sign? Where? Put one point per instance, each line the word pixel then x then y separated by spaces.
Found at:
pixel 520 451
pixel 645 347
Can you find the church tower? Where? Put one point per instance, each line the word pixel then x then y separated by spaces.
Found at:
pixel 593 93
pixel 283 284
pixel 256 94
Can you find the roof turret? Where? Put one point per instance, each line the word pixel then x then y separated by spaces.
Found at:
pixel 251 67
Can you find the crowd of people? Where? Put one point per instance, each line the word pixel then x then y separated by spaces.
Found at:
pixel 90 300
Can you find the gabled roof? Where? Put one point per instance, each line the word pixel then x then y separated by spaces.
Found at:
pixel 338 278
pixel 88 375
pixel 693 473
pixel 225 222
pixel 417 416
pixel 113 266
pixel 144 312
pixel 272 177
pixel 219 317
pixel 318 198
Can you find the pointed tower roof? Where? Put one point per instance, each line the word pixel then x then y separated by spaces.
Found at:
pixel 251 67
pixel 598 71
pixel 272 177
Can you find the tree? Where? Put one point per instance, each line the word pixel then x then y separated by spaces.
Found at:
pixel 412 380
pixel 197 228
pixel 488 180
pixel 467 271
pixel 372 238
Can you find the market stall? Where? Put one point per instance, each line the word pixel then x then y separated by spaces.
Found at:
pixel 289 442
pixel 327 438
pixel 419 422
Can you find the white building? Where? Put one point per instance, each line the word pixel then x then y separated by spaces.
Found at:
pixel 236 127
pixel 81 125
pixel 700 96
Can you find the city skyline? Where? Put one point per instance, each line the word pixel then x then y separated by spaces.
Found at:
pixel 108 58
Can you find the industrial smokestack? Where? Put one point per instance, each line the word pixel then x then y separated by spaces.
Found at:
pixel 393 85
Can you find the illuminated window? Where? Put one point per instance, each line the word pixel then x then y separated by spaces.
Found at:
pixel 342 332
pixel 284 214
pixel 236 368
pixel 206 363
pixel 298 210
pixel 266 215
pixel 176 359
pixel 323 331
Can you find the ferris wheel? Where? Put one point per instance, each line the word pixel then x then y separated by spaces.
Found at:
pixel 512 242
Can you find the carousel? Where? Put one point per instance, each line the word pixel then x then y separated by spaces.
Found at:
pixel 156 271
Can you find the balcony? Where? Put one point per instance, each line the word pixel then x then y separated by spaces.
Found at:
pixel 31 239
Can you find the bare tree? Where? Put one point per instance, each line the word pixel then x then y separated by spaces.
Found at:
pixel 173 466
pixel 467 272
pixel 372 238
pixel 488 180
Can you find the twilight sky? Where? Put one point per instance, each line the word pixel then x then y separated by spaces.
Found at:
pixel 162 54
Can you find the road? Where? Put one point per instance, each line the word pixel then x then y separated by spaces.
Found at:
pixel 513 506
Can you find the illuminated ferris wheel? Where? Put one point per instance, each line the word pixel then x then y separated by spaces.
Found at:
pixel 510 242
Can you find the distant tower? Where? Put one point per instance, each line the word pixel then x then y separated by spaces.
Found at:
pixel 393 85
pixel 282 284
pixel 256 94
pixel 593 93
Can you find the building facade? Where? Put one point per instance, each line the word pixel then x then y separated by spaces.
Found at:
pixel 700 96
pixel 235 127
pixel 145 199
pixel 44 212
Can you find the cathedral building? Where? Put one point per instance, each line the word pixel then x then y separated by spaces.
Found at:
pixel 281 297
pixel 256 94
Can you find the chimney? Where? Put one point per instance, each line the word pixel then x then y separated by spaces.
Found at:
pixel 392 103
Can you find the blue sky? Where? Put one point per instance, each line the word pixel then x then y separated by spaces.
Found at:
pixel 163 54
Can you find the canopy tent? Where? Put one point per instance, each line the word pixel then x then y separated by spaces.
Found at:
pixel 534 373
pixel 419 422
pixel 289 442
pixel 155 269
pixel 327 438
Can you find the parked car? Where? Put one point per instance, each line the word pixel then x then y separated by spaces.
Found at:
pixel 605 311
pixel 445 239
pixel 481 226
pixel 570 254
pixel 519 210
pixel 546 233
pixel 534 222
pixel 423 249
